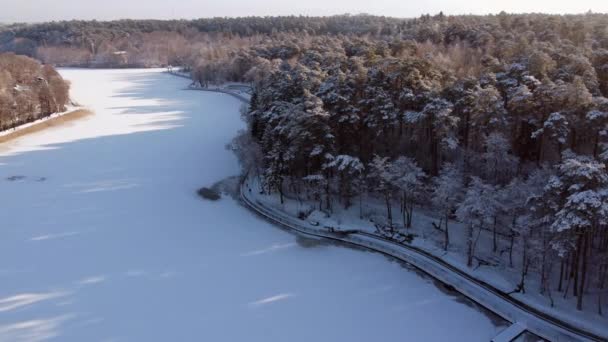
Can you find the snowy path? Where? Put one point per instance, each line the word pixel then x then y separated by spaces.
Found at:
pixel 104 239
pixel 510 333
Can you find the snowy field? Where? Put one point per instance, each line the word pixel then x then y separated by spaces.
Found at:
pixel 104 239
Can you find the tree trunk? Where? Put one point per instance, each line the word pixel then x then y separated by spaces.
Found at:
pixel 543 268
pixel 512 240
pixel 581 291
pixel 446 241
pixel 561 275
pixel 470 245
pixel 573 139
pixel 575 268
pixel 599 304
pixel 494 242
pixel 524 267
pixel 539 157
pixel 403 210
pixel 410 213
pixel 567 286
pixel 281 191
pixel 389 211
pixel 600 292
pixel 361 205
pixel 569 273
pixel 435 157
pixel 327 196
pixel 550 295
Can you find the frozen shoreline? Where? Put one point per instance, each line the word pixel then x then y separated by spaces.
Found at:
pixel 69 110
pixel 481 292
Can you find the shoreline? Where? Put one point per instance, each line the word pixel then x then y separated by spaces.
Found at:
pixel 44 123
pixel 522 316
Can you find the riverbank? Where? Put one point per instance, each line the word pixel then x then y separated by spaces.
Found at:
pixel 241 91
pixel 53 120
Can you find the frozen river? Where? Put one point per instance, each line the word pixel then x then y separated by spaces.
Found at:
pixel 103 238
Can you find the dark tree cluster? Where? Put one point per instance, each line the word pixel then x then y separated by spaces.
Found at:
pixel 29 90
pixel 499 122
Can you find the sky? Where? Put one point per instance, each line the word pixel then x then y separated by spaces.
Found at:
pixel 48 10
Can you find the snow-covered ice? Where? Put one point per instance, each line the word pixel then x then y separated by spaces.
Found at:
pixel 104 238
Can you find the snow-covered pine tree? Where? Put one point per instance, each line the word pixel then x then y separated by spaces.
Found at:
pixel 476 211
pixel 447 193
pixel 407 178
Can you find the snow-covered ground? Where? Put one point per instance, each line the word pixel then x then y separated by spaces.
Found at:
pixel 241 91
pixel 103 238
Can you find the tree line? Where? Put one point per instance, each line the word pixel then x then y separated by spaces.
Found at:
pixel 154 43
pixel 29 90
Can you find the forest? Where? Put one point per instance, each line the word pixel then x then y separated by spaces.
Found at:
pixel 498 122
pixel 154 43
pixel 29 90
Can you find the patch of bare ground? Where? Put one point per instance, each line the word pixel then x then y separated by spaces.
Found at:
pixel 52 122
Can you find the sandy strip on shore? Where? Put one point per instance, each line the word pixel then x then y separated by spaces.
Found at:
pixel 43 124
